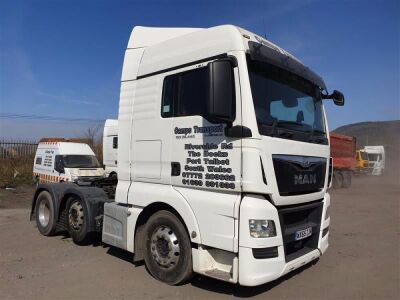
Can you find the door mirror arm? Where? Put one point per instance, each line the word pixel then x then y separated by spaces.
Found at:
pixel 336 96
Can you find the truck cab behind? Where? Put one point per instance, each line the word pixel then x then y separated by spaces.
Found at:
pixel 110 147
pixel 376 158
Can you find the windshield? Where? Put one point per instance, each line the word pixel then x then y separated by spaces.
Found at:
pixel 80 161
pixel 285 102
pixel 374 157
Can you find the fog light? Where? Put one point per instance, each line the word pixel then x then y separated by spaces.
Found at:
pixel 262 228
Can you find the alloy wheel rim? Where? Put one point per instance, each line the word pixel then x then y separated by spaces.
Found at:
pixel 164 247
pixel 44 213
pixel 76 216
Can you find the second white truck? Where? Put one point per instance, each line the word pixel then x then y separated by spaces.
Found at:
pixel 110 147
pixel 223 160
pixel 376 159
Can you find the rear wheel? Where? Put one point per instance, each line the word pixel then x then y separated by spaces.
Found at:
pixel 346 179
pixel 44 214
pixel 168 252
pixel 78 221
pixel 337 180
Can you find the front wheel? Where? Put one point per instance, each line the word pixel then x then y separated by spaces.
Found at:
pixel 78 221
pixel 168 252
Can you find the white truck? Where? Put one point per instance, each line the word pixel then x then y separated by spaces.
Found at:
pixel 57 161
pixel 376 159
pixel 110 147
pixel 223 160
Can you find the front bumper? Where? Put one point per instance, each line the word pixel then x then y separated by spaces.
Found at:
pixel 255 271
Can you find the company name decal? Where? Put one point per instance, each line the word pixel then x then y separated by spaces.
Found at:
pixel 207 164
pixel 188 132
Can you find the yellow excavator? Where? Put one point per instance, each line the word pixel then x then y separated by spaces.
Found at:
pixel 362 161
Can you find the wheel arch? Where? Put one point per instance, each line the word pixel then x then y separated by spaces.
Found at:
pixel 186 216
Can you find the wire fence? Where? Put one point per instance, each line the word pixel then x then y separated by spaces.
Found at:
pixel 17 148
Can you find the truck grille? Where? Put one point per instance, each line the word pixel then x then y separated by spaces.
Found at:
pixel 299 217
pixel 297 175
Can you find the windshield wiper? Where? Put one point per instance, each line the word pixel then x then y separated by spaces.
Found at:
pixel 283 132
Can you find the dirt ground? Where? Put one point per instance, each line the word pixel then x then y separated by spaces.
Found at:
pixel 361 263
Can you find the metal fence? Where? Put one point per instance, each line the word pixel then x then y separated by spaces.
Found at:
pixel 17 148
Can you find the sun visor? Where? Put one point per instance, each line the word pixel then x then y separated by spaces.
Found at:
pixel 277 57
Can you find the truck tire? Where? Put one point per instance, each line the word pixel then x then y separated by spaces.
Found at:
pixel 346 179
pixel 337 180
pixel 44 214
pixel 77 220
pixel 168 252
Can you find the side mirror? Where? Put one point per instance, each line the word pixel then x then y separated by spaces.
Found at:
pixel 58 164
pixel 221 96
pixel 336 96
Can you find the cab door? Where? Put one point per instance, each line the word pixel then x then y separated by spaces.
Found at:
pixel 205 163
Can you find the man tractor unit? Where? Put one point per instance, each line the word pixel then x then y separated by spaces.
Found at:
pixel 223 160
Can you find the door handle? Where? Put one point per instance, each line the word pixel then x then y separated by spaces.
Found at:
pixel 175 168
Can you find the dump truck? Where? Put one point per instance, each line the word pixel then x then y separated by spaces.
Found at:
pixel 223 160
pixel 344 159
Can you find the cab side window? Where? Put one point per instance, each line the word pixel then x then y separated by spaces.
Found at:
pixel 185 94
pixel 115 142
pixel 168 96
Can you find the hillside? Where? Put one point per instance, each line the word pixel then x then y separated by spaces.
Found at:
pixel 386 133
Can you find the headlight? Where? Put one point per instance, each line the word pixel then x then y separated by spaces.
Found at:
pixel 262 228
pixel 327 212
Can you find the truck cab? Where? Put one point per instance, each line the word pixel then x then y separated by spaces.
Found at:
pixel 110 147
pixel 376 159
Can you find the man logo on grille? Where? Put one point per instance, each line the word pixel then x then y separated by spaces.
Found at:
pixel 305 179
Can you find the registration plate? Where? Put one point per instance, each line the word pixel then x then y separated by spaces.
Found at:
pixel 302 234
